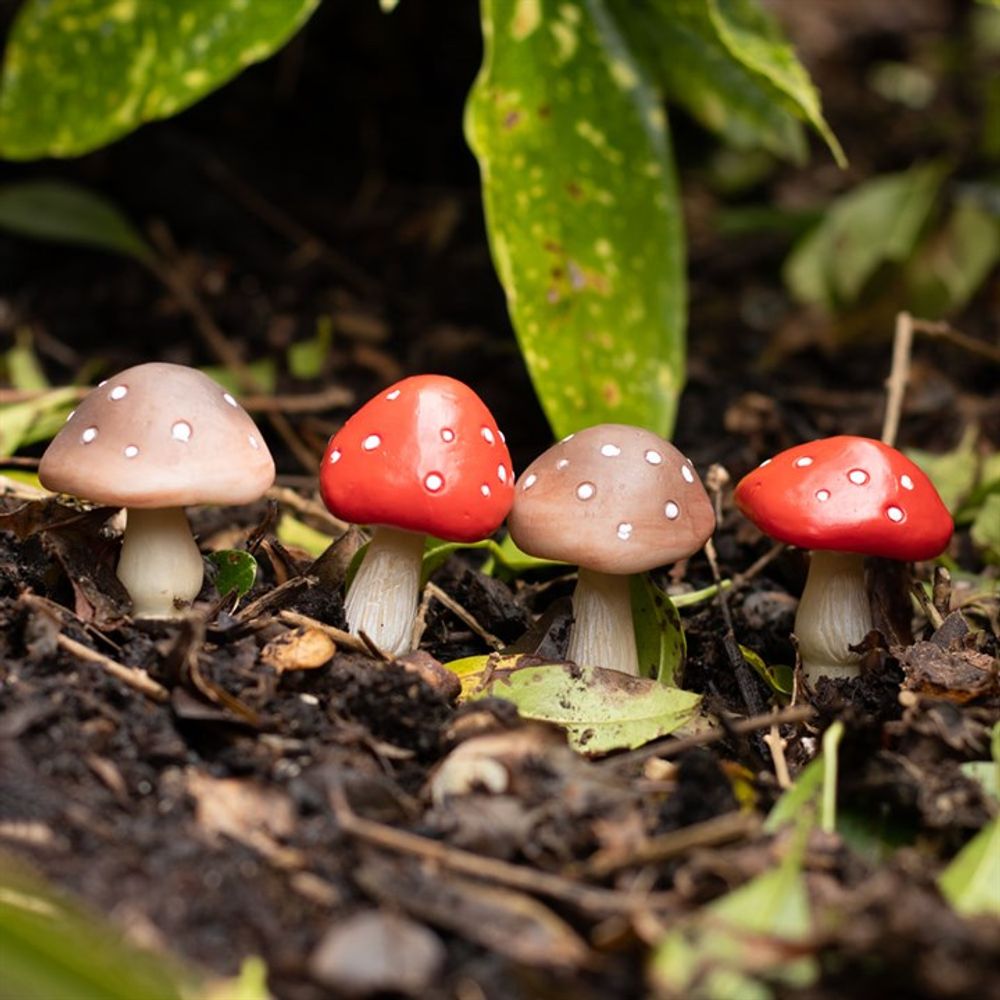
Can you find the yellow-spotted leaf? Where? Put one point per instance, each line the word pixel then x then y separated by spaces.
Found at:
pixel 600 709
pixel 582 210
pixel 78 75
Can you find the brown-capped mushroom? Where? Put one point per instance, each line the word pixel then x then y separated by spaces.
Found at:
pixel 615 500
pixel 154 439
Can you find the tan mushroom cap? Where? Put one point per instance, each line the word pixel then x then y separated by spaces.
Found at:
pixel 611 498
pixel 159 435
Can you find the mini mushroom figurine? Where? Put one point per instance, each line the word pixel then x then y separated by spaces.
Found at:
pixel 615 500
pixel 154 439
pixel 845 498
pixel 423 457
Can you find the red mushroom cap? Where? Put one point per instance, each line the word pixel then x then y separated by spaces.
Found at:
pixel 424 455
pixel 847 494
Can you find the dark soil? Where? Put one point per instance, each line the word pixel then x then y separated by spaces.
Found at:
pixel 254 812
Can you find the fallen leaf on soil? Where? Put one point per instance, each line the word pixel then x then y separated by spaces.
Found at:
pixel 502 920
pixel 244 811
pixel 299 649
pixel 958 675
pixel 971 882
pixel 600 709
pixel 376 952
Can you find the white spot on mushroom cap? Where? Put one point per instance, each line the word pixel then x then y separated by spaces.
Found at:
pixel 529 481
pixel 102 383
pixel 906 482
pixel 229 399
pixel 254 443
pixel 335 456
pixel 392 395
pixel 610 450
pixel 624 531
pixel 687 473
pixel 653 457
pixel 894 514
pixel 487 435
pixel 767 461
pixel 569 437
pixel 118 392
pixel 502 438
pixel 501 474
pixel 447 434
pixel 585 491
pixel 822 495
pixel 88 435
pixel 181 431
pixel 433 481
pixel 562 463
pixel 801 463
pixel 485 490
pixel 70 416
pixel 858 476
pixel 131 451
pixel 371 442
pixel 671 510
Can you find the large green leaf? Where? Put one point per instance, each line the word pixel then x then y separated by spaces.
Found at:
pixel 583 214
pixel 877 222
pixel 680 42
pixel 754 40
pixel 600 709
pixel 65 213
pixel 659 636
pixel 80 73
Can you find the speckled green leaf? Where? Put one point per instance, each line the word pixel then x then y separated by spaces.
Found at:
pixel 659 637
pixel 235 571
pixel 582 209
pixel 680 43
pixel 80 73
pixel 753 39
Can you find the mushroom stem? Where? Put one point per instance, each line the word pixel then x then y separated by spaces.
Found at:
pixel 382 599
pixel 833 614
pixel 160 565
pixel 602 633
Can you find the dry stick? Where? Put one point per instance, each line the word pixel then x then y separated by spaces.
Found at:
pixel 339 636
pixel 463 615
pixel 530 880
pixel 710 833
pixel 739 579
pixel 670 746
pixel 899 375
pixel 776 745
pixel 134 677
pixel 176 283
pixel 945 331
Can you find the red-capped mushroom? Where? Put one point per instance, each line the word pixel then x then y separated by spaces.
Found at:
pixel 845 498
pixel 423 457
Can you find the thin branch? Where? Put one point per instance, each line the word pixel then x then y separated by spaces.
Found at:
pixel 134 677
pixel 531 880
pixel 338 635
pixel 463 615
pixel 902 347
pixel 945 331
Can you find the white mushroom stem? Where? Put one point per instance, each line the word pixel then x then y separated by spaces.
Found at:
pixel 834 613
pixel 160 565
pixel 602 633
pixel 382 599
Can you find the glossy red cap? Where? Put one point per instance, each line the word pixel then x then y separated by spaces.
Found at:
pixel 423 455
pixel 847 494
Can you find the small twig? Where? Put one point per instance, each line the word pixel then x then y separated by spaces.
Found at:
pixel 434 591
pixel 175 281
pixel 945 331
pixel 305 505
pixel 135 677
pixel 899 375
pixel 670 746
pixel 710 833
pixel 339 636
pixel 776 745
pixel 530 880
pixel 740 579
